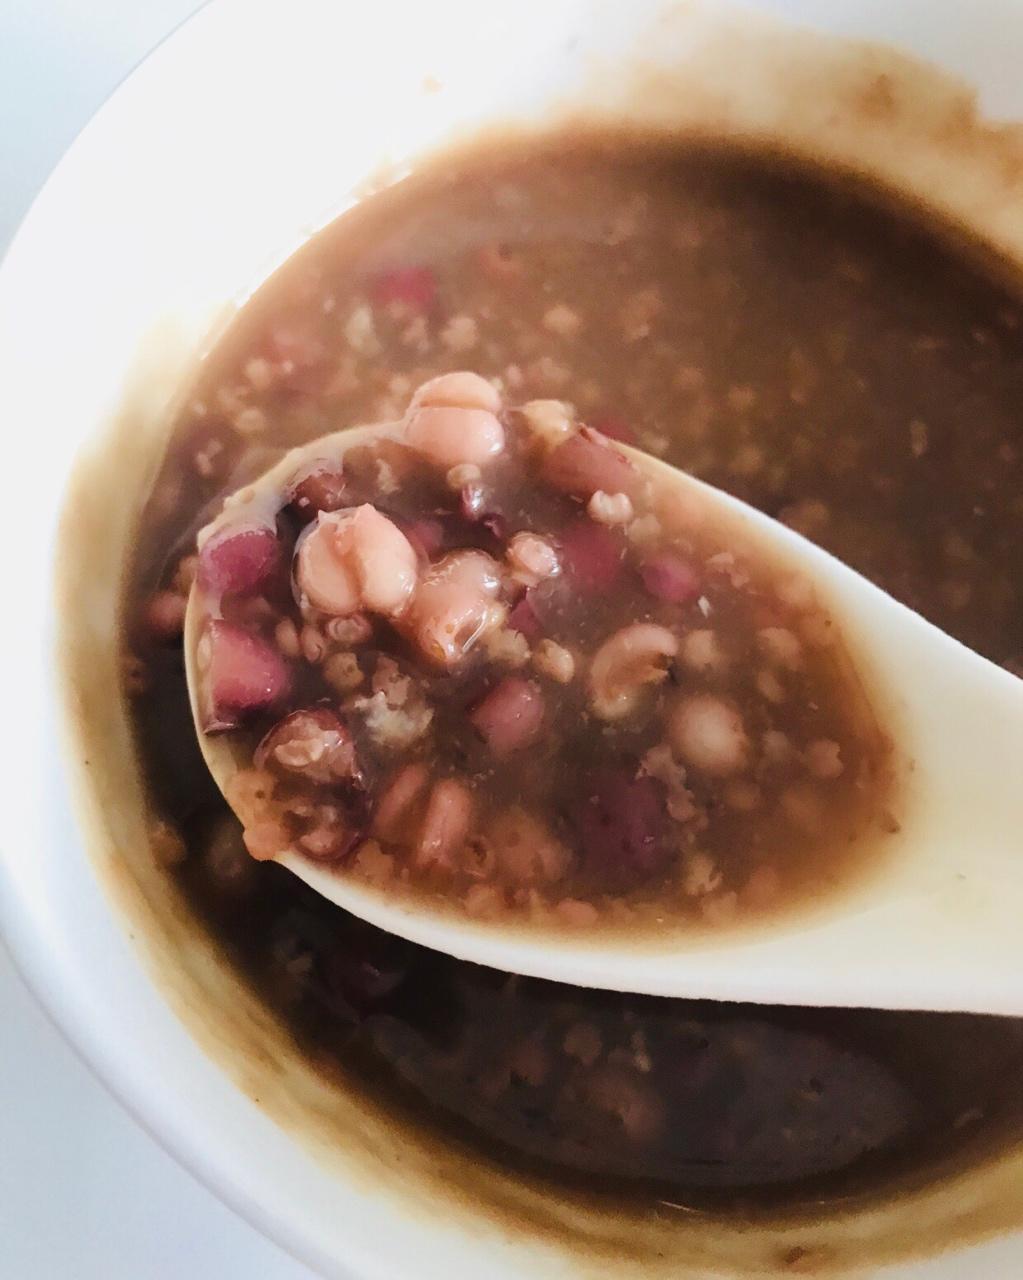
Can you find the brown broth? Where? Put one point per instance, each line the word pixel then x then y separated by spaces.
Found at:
pixel 789 338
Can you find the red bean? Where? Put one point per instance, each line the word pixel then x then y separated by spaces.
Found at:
pixel 591 555
pixel 321 487
pixel 670 578
pixel 399 800
pixel 621 827
pixel 446 825
pixel 587 462
pixel 428 535
pixel 237 560
pixel 412 287
pixel 511 715
pixel 314 743
pixel 241 674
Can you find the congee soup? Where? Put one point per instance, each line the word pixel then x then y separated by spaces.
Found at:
pixel 479 656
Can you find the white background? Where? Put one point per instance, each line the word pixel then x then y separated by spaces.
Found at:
pixel 85 1194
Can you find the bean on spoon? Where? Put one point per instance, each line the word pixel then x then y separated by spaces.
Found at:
pixel 934 925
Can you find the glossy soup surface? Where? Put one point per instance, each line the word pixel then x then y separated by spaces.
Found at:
pixel 784 336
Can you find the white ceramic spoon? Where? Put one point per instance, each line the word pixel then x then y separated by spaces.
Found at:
pixel 937 924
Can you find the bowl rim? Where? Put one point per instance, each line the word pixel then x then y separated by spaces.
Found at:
pixel 23 932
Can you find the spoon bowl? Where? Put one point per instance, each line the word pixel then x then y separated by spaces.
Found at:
pixel 934 924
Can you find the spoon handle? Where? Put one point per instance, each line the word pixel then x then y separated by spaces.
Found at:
pixel 948 903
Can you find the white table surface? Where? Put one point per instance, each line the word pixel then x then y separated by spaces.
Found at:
pixel 85 1194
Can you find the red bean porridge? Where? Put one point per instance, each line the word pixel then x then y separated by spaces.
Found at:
pixel 787 335
pixel 445 700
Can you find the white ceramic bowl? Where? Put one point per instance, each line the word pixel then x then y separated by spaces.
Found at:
pixel 251 126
